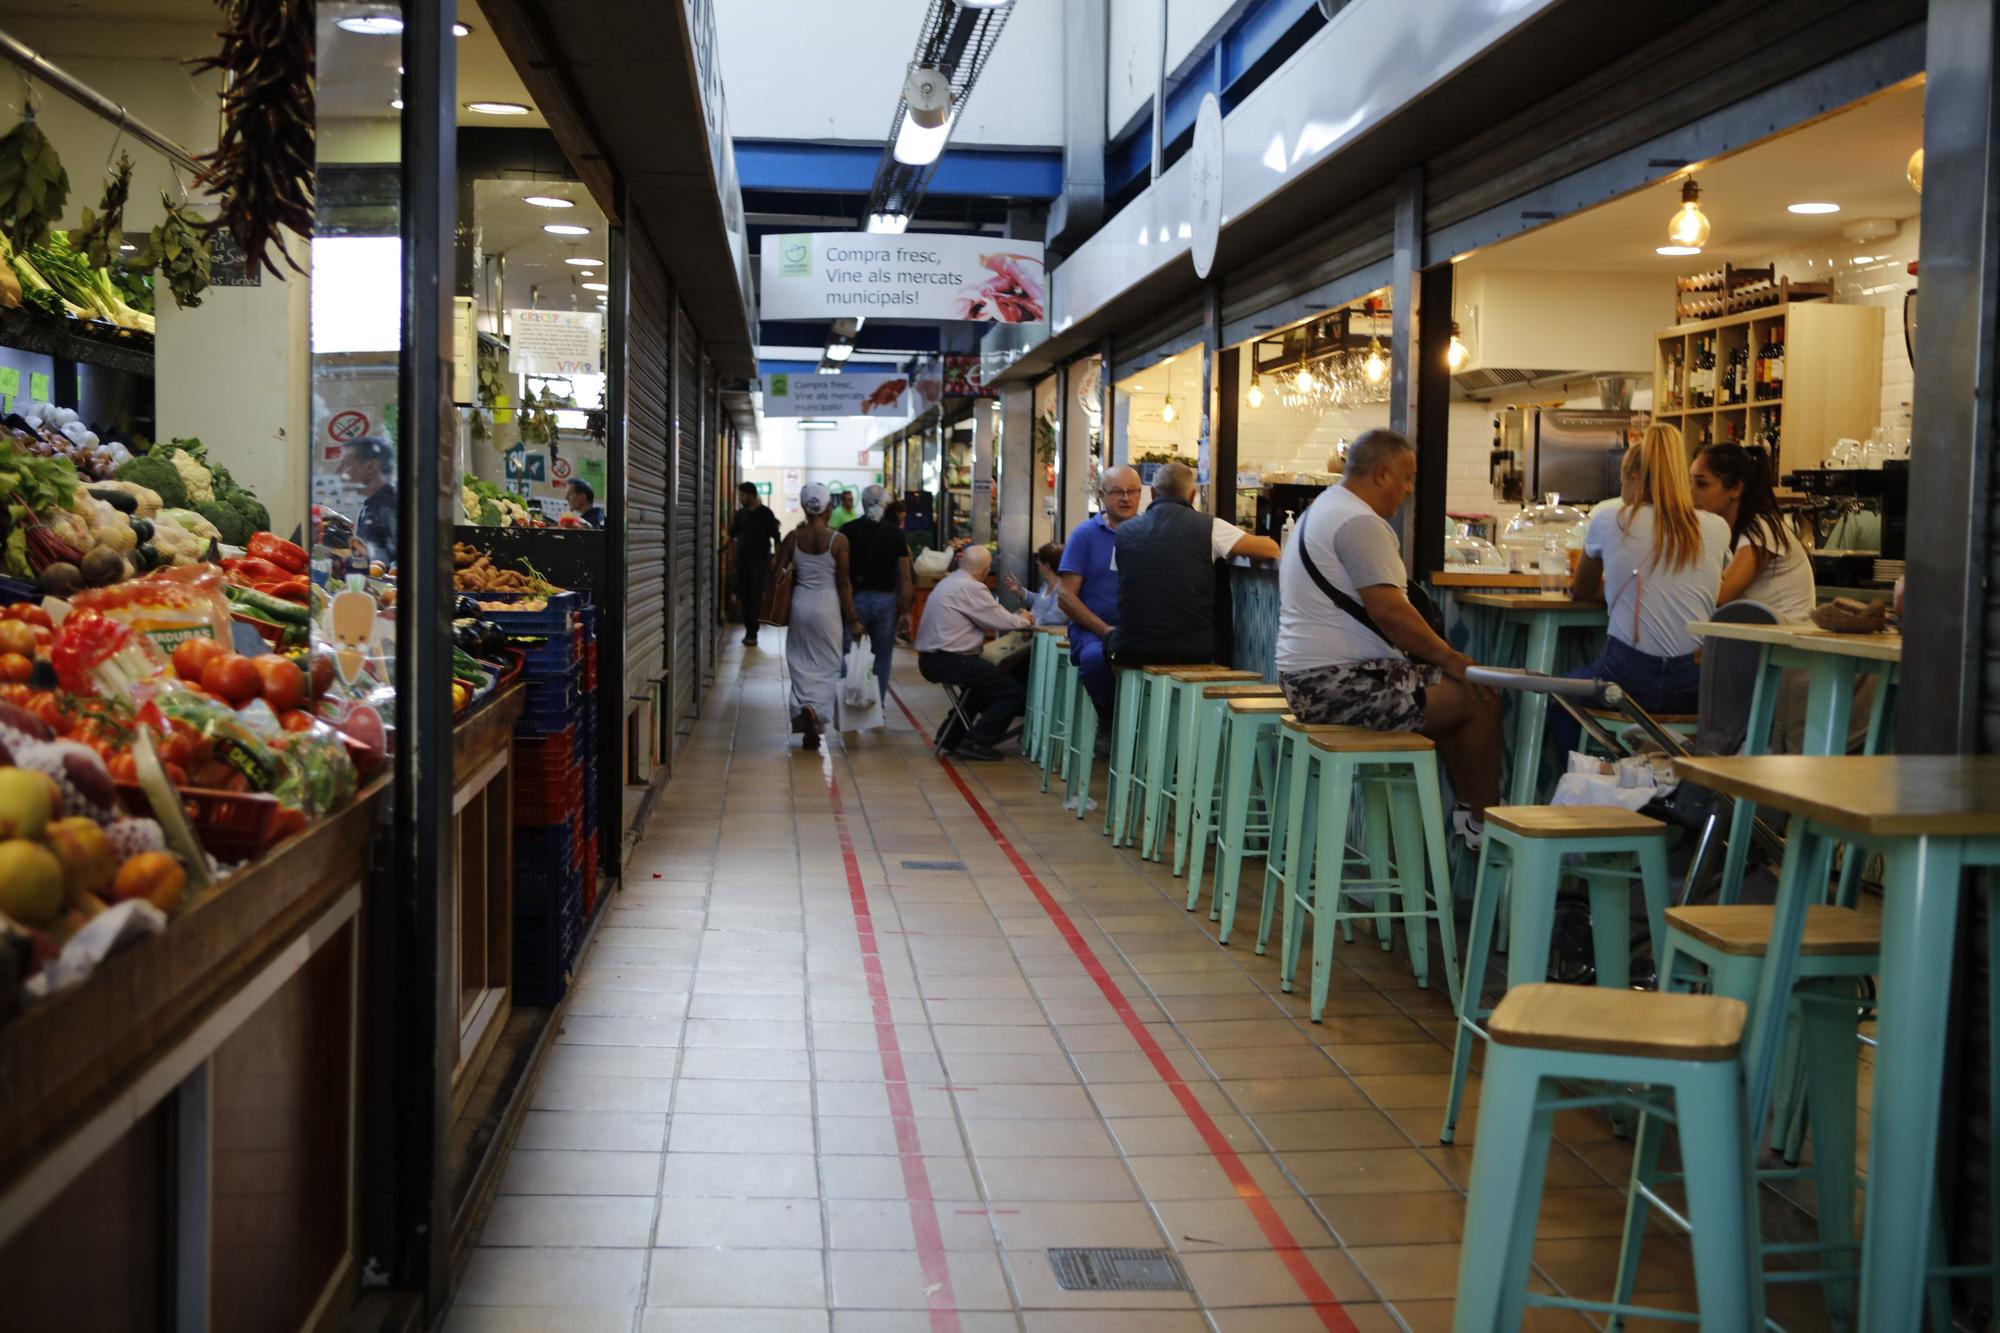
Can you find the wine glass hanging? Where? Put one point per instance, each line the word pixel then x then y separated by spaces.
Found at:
pixel 1333 383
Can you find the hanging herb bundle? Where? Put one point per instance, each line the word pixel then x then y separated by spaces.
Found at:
pixel 263 166
pixel 33 185
pixel 178 247
pixel 538 419
pixel 101 232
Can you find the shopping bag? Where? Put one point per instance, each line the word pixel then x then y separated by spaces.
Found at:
pixel 858 684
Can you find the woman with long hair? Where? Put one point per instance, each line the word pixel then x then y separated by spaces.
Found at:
pixel 822 602
pixel 1767 562
pixel 1657 562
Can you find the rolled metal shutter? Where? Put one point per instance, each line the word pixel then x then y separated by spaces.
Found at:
pixel 683 526
pixel 708 605
pixel 646 469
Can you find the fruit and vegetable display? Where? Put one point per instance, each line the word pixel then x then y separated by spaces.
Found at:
pixel 473 570
pixel 487 506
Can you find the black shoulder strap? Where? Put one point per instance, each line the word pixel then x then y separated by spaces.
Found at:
pixel 1335 595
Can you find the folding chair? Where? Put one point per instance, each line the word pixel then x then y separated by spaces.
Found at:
pixel 955 696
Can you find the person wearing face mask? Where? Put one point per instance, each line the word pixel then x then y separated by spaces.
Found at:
pixel 884 588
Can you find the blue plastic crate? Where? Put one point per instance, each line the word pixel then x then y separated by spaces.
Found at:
pixel 554 619
pixel 542 954
pixel 550 656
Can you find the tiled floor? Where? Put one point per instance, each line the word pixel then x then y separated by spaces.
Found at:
pixel 714 1145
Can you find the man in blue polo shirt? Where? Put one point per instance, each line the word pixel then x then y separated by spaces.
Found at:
pixel 1090 586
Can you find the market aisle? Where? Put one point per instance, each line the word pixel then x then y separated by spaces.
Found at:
pixel 715 1145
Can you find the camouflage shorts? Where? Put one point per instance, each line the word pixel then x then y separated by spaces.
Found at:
pixel 1386 694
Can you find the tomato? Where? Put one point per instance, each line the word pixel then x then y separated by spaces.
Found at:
pixel 232 677
pixel 212 774
pixel 322 674
pixel 28 614
pixel 124 767
pixel 13 666
pixel 236 782
pixel 192 656
pixel 176 775
pixel 48 708
pixel 284 683
pixel 44 636
pixel 296 719
pixel 16 637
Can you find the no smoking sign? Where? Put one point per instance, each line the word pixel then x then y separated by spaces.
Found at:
pixel 348 425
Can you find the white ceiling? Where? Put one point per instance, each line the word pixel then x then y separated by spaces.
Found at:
pixel 538 272
pixel 1854 158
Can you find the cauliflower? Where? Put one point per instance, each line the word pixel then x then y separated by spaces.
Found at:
pixel 177 546
pixel 195 479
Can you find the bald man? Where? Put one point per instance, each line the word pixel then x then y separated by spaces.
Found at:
pixel 1168 615
pixel 960 613
pixel 1089 595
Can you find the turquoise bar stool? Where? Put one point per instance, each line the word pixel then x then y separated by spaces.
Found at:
pixel 1063 687
pixel 1046 647
pixel 1171 694
pixel 1200 784
pixel 1722 948
pixel 1671 1056
pixel 1394 774
pixel 1245 811
pixel 1522 863
pixel 1079 744
pixel 1293 836
pixel 1129 706
pixel 1140 731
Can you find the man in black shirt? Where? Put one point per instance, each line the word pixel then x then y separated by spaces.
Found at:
pixel 753 533
pixel 368 463
pixel 884 588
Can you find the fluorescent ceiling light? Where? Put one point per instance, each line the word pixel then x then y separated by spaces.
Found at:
pixel 919 147
pixel 587 273
pixel 824 369
pixel 983 4
pixel 888 224
pixel 497 108
pixel 817 423
pixel 581 262
pixel 386 25
pixel 834 351
pixel 565 229
pixel 461 30
pixel 396 103
pixel 1675 251
pixel 1812 208
pixel 597 286
pixel 548 201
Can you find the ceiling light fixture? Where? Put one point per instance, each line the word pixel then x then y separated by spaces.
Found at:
pixel 1376 368
pixel 1812 208
pixel 1689 225
pixel 128 247
pixel 1913 171
pixel 386 25
pixel 1256 395
pixel 1455 356
pixel 565 229
pixel 1305 382
pixel 548 201
pixel 582 262
pixel 839 349
pixel 1676 251
pixel 817 423
pixel 918 146
pixel 497 108
pixel 596 286
pixel 396 103
pixel 1167 413
pixel 888 224
pixel 461 30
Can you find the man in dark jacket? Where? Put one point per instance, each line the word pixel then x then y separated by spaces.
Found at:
pixel 1166 581
pixel 753 535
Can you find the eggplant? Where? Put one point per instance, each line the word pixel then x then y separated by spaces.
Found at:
pixel 123 501
pixel 465 608
pixel 465 634
pixel 146 556
pixel 142 528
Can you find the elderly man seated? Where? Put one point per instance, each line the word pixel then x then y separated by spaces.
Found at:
pixel 960 613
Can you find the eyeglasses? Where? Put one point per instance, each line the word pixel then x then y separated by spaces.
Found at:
pixel 1126 493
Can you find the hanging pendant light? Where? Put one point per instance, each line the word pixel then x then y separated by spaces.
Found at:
pixel 1689 226
pixel 1376 368
pixel 1167 413
pixel 1914 171
pixel 1305 382
pixel 1455 355
pixel 1256 395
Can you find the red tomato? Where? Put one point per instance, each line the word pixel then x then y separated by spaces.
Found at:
pixel 44 636
pixel 192 656
pixel 13 666
pixel 322 673
pixel 212 774
pixel 284 683
pixel 48 708
pixel 232 677
pixel 296 719
pixel 176 774
pixel 16 637
pixel 28 613
pixel 124 767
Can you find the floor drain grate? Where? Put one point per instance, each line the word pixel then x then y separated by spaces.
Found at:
pixel 933 865
pixel 1098 1269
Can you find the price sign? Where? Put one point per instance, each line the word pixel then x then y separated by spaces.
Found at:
pixel 10 382
pixel 38 386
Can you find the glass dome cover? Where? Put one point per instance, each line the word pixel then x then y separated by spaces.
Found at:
pixel 1464 551
pixel 1531 529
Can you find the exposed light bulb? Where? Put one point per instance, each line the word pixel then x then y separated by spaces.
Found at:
pixel 1914 171
pixel 1455 355
pixel 1256 395
pixel 1167 413
pixel 1376 368
pixel 1306 383
pixel 1689 225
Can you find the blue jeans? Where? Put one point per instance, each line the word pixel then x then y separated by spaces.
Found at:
pixel 1094 668
pixel 877 613
pixel 1656 684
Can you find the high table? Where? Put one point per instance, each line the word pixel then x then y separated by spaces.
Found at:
pixel 1543 619
pixel 1833 663
pixel 1930 817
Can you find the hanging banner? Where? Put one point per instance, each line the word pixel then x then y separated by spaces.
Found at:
pixel 832 275
pixel 843 395
pixel 963 378
pixel 555 342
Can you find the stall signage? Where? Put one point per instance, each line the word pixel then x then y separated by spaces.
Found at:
pixel 834 275
pixel 592 472
pixel 554 342
pixel 10 383
pixel 964 377
pixel 843 395
pixel 1205 185
pixel 38 387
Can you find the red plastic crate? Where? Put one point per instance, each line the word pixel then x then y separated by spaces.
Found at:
pixel 590 876
pixel 233 826
pixel 590 665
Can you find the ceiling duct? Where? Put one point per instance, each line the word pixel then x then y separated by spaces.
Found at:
pixel 952 46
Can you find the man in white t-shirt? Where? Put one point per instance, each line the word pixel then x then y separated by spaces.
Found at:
pixel 1353 651
pixel 1165 560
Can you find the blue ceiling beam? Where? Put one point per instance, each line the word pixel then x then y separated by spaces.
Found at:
pixel 1013 173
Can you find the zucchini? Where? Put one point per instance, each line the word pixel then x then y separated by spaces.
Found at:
pixel 266 607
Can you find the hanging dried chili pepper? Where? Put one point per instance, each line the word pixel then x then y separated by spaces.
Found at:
pixel 263 166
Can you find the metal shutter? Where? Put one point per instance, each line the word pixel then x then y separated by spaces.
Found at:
pixel 708 606
pixel 645 469
pixel 683 526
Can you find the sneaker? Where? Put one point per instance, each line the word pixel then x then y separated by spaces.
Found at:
pixel 749 641
pixel 974 750
pixel 1468 827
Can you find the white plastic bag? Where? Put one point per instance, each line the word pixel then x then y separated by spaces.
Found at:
pixel 1630 783
pixel 860 689
pixel 930 566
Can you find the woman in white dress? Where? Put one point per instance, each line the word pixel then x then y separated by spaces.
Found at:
pixel 822 601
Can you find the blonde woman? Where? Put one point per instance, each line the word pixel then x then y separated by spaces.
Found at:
pixel 1657 562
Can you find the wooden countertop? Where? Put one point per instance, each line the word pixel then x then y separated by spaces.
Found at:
pixel 1509 601
pixel 1467 578
pixel 1884 647
pixel 1884 795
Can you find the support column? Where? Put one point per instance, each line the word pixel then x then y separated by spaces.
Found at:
pixel 1017 479
pixel 983 441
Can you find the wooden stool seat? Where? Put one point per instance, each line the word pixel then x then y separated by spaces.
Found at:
pixel 1052 629
pixel 1242 689
pixel 1744 929
pixel 1572 821
pixel 1258 703
pixel 1290 722
pixel 1203 675
pixel 1664 719
pixel 1363 740
pixel 1169 668
pixel 1619 1022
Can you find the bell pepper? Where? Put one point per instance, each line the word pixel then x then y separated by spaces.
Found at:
pixel 269 546
pixel 253 570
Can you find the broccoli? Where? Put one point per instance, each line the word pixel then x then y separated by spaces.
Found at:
pixel 252 509
pixel 156 474
pixel 235 528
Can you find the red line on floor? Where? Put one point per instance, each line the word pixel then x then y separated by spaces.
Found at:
pixel 909 1148
pixel 1283 1242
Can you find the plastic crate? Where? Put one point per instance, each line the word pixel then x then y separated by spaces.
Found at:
pixel 590 876
pixel 555 618
pixel 549 708
pixel 548 796
pixel 551 656
pixel 233 826
pixel 543 949
pixel 590 665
